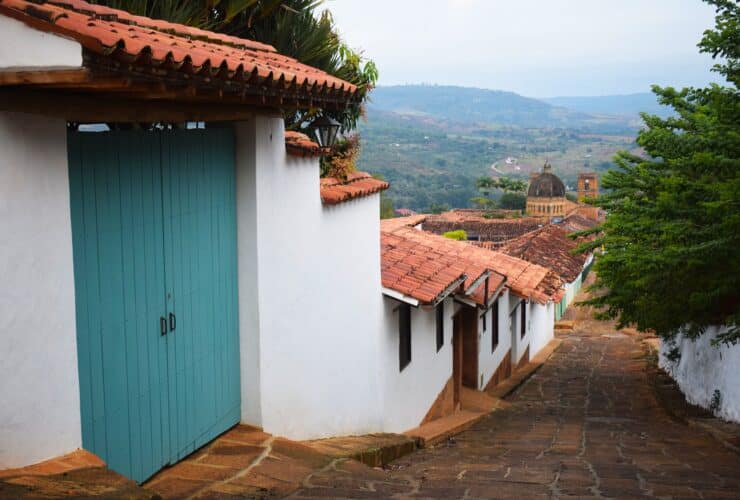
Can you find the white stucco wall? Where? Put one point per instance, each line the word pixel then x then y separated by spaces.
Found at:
pixel 409 394
pixel 703 369
pixel 310 295
pixel 489 361
pixel 39 388
pixel 22 47
pixel 542 326
pixel 247 156
pixel 519 344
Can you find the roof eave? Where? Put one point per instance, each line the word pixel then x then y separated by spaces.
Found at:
pixel 496 293
pixel 450 288
pixel 389 292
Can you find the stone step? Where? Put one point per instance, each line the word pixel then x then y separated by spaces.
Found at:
pixel 373 450
pixel 439 430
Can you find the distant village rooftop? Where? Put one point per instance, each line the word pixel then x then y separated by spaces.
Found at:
pixel 549 247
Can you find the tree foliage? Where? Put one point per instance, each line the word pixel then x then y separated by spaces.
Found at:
pixel 512 201
pixel 296 28
pixel 505 184
pixel 512 198
pixel 672 234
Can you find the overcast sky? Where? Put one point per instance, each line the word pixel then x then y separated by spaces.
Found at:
pixel 538 48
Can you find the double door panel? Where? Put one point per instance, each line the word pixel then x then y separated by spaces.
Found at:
pixel 153 219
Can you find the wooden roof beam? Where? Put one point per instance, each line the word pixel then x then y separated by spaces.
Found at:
pixel 46 77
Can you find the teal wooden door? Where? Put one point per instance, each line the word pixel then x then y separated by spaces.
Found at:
pixel 154 251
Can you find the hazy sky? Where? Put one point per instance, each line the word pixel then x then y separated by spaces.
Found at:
pixel 538 48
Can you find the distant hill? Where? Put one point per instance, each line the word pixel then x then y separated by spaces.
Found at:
pixel 620 105
pixel 433 142
pixel 490 107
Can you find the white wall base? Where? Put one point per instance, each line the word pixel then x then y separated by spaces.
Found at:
pixel 39 386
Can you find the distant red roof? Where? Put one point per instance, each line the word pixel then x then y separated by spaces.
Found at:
pixel 116 42
pixel 548 247
pixel 298 144
pixel 357 185
pixel 508 225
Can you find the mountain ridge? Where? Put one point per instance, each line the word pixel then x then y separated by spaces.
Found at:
pixel 610 113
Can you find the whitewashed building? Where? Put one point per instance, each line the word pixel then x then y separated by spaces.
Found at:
pixel 500 306
pixel 151 297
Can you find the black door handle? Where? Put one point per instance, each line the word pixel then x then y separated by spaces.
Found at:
pixel 162 325
pixel 173 322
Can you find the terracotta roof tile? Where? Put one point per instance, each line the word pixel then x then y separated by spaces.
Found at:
pixel 399 222
pixel 525 279
pixel 548 247
pixel 298 144
pixel 357 185
pixel 118 36
pixel 427 272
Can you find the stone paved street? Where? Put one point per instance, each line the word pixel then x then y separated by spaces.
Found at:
pixel 586 425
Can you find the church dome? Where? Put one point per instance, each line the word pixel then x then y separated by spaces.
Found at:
pixel 546 185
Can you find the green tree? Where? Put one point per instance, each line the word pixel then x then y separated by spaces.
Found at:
pixel 483 203
pixel 672 234
pixel 505 184
pixel 386 207
pixel 512 198
pixel 438 208
pixel 512 201
pixel 296 28
pixel 387 211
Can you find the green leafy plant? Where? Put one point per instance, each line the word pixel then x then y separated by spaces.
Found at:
pixel 459 235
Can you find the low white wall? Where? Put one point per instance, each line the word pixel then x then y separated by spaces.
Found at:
pixel 409 394
pixel 703 369
pixel 310 295
pixel 489 361
pixel 39 387
pixel 22 47
pixel 542 326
